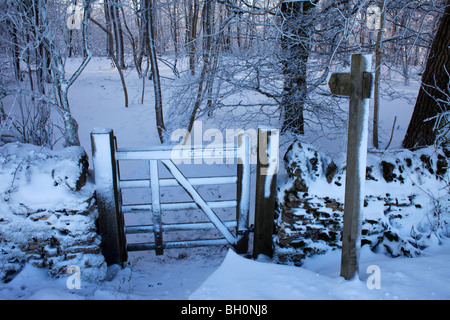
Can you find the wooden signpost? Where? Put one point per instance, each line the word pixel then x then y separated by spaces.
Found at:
pixel 358 86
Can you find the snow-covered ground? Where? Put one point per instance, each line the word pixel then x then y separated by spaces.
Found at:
pixel 217 272
pixel 221 275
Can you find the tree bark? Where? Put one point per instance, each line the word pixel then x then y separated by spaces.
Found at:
pixel 109 37
pixel 205 76
pixel 155 75
pixel 114 25
pixel 15 50
pixel 378 64
pixel 294 43
pixel 191 33
pixel 434 88
pixel 117 26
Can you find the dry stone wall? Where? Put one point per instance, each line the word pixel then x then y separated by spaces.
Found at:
pixel 406 203
pixel 47 212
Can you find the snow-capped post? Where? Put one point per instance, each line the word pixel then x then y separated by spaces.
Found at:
pixel 110 217
pixel 156 207
pixel 358 86
pixel 266 176
pixel 243 193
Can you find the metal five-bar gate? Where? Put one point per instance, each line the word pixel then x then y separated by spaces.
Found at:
pixel 109 188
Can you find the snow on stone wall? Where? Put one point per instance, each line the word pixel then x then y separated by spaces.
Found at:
pixel 47 212
pixel 406 203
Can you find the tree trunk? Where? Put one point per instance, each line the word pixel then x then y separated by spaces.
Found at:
pixel 206 76
pixel 155 76
pixel 62 85
pixel 114 25
pixel 191 33
pixel 173 16
pixel 15 50
pixel 378 64
pixel 116 63
pixel 434 88
pixel 294 43
pixel 71 136
pixel 109 37
pixel 118 34
pixel 41 53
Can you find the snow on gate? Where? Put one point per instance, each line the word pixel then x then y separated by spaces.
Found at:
pixel 110 188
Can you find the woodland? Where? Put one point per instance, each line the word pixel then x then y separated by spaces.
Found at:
pixel 281 53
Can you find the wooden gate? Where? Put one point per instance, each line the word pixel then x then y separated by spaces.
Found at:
pixel 109 187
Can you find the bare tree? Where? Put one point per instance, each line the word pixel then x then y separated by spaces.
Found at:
pixel 40 20
pixel 378 65
pixel 192 16
pixel 115 34
pixel 114 59
pixel 149 12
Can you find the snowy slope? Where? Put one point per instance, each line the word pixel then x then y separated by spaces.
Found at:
pixel 402 278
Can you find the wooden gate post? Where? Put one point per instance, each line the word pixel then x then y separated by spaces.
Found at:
pixel 156 207
pixel 266 176
pixel 243 193
pixel 358 86
pixel 110 217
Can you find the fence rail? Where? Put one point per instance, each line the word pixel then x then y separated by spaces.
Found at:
pixel 133 208
pixel 167 182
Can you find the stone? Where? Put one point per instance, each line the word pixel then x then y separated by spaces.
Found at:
pixel 309 224
pixel 54 234
pixel 388 171
pixel 331 171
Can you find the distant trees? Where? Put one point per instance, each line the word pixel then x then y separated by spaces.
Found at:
pixel 155 70
pixel 34 28
pixel 269 59
pixel 114 39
